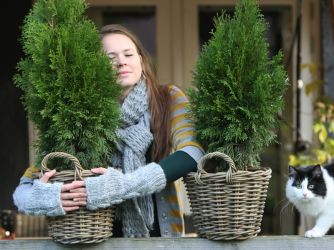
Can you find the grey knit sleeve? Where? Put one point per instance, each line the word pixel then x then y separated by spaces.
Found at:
pixel 114 187
pixel 104 190
pixel 38 198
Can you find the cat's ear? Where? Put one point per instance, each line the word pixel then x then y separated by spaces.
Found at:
pixel 292 171
pixel 317 171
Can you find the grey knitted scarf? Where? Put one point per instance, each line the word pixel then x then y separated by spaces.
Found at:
pixel 135 137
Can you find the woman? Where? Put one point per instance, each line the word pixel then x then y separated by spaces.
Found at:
pixel 154 125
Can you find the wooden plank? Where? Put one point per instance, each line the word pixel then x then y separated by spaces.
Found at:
pixel 258 243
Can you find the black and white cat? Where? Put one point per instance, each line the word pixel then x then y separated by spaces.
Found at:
pixel 311 190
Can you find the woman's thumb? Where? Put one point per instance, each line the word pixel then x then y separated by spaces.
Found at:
pixel 45 178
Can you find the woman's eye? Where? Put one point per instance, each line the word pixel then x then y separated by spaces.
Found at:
pixel 128 55
pixel 311 186
pixel 113 60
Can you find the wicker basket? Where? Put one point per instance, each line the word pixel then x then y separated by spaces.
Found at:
pixel 227 205
pixel 80 226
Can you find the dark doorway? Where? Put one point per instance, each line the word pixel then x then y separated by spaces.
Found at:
pixel 14 146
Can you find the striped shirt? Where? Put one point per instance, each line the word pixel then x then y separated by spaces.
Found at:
pixel 169 203
pixel 182 129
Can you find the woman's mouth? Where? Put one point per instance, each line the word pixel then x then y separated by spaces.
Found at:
pixel 123 73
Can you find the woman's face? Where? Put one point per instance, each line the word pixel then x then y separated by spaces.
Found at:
pixel 125 58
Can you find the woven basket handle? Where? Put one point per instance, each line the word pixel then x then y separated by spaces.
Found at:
pixel 77 167
pixel 201 164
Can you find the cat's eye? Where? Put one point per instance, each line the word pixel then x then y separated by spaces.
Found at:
pixel 298 185
pixel 311 186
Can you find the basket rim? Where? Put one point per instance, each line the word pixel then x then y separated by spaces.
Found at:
pixel 66 174
pixel 250 170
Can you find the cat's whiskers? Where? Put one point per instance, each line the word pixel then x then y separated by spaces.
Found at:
pixel 286 205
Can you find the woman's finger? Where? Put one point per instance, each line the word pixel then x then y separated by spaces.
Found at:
pixel 71 196
pixel 71 203
pixel 70 209
pixel 99 170
pixel 45 178
pixel 72 185
pixel 78 190
pixel 80 199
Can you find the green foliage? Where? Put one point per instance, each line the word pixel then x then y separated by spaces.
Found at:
pixel 239 89
pixel 323 150
pixel 70 90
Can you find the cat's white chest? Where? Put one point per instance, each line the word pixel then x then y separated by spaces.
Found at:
pixel 312 207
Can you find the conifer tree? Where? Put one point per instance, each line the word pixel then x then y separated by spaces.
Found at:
pixel 69 89
pixel 238 88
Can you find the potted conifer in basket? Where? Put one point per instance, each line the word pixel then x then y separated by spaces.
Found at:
pixel 238 93
pixel 71 95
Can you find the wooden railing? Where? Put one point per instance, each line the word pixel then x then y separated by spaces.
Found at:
pixel 258 243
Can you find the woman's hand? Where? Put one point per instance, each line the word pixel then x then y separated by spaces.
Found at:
pixel 73 195
pixel 99 170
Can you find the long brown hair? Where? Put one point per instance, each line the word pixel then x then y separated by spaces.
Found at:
pixel 159 96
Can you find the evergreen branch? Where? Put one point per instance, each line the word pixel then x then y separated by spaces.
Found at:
pixel 69 89
pixel 239 89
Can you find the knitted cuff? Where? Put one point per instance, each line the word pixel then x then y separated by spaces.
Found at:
pixel 145 180
pixel 114 187
pixel 41 199
pixel 104 190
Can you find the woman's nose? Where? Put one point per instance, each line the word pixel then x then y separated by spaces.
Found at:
pixel 117 62
pixel 121 61
pixel 121 64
